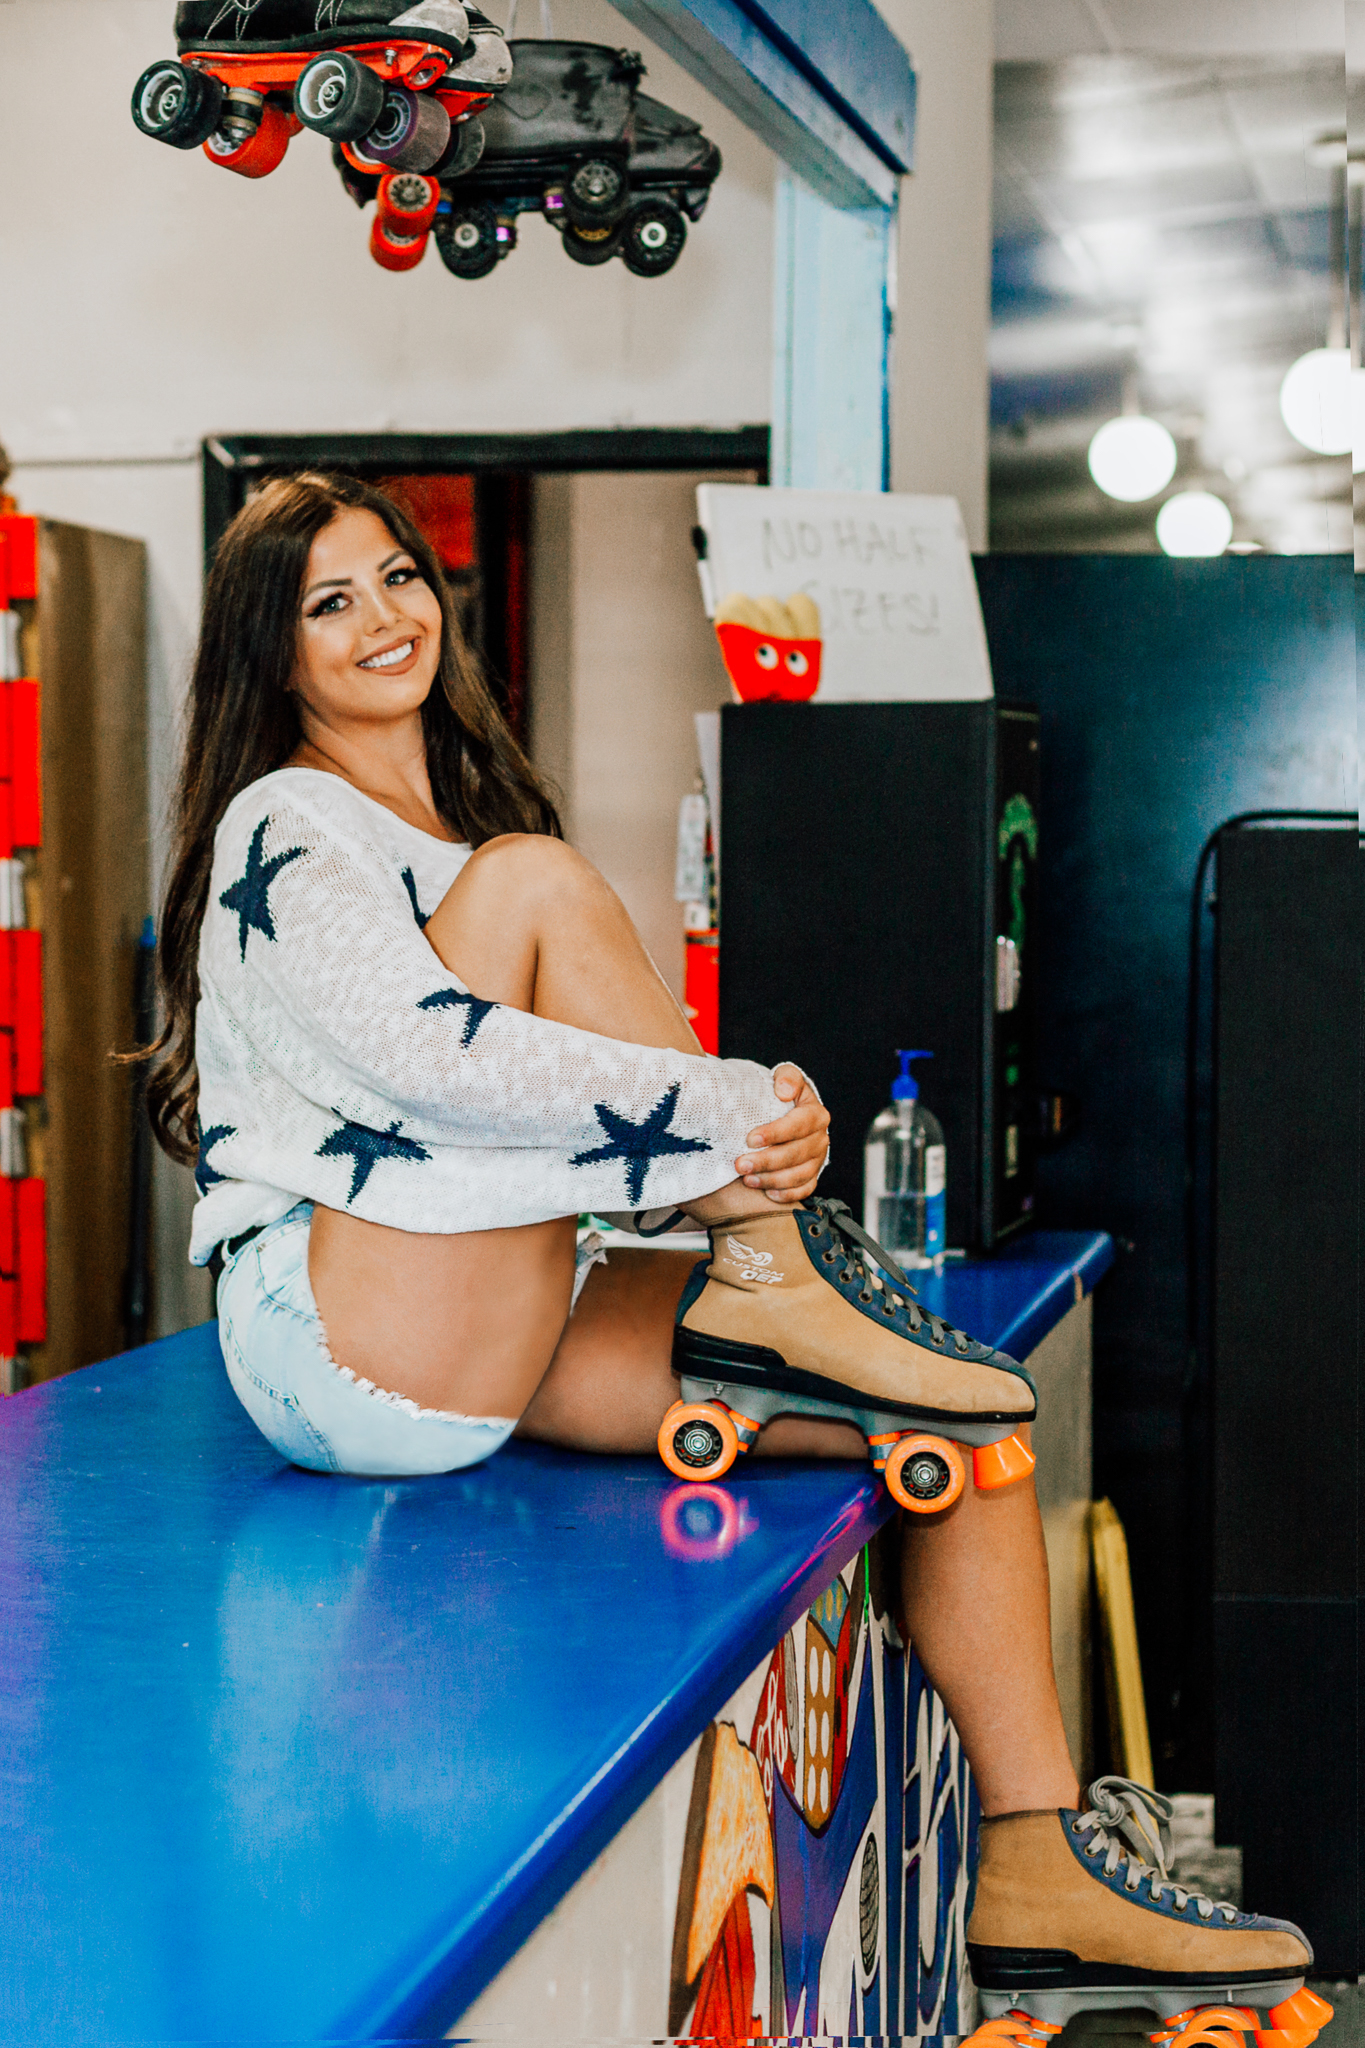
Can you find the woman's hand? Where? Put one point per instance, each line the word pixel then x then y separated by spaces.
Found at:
pixel 785 1157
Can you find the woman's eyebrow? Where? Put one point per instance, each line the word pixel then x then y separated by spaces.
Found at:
pixel 344 582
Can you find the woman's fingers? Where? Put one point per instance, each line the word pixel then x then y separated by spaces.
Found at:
pixel 784 1158
pixel 808 1152
pixel 803 1176
pixel 808 1119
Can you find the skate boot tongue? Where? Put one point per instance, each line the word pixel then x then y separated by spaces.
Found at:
pixel 1128 1813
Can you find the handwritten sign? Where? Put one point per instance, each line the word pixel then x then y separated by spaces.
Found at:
pixel 891 573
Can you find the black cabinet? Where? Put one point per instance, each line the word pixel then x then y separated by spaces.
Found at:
pixel 878 890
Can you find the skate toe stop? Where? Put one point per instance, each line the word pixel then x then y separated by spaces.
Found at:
pixel 1304 2009
pixel 1001 1464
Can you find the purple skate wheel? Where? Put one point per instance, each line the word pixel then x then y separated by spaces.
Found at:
pixel 411 133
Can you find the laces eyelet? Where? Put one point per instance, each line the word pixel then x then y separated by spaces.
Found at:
pixel 864 1295
pixel 814 1230
pixel 829 1258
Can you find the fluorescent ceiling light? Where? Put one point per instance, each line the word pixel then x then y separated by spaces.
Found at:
pixel 1315 400
pixel 1194 523
pixel 1132 458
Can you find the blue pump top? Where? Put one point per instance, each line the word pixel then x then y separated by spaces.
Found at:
pixel 905 1088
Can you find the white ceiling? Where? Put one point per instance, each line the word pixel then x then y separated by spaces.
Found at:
pixel 1041 31
pixel 1161 240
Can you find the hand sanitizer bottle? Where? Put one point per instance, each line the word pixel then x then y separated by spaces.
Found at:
pixel 905 1175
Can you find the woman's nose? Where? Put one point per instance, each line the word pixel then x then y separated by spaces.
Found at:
pixel 379 609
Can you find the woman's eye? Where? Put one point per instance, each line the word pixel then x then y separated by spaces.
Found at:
pixel 797 662
pixel 329 604
pixel 408 575
pixel 766 655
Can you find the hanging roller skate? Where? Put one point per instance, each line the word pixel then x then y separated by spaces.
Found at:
pixel 1077 1912
pixel 393 83
pixel 571 138
pixel 802 1313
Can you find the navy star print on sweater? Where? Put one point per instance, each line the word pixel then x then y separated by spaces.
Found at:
pixel 249 894
pixel 365 1148
pixel 639 1144
pixel 206 1176
pixel 474 1007
pixel 423 917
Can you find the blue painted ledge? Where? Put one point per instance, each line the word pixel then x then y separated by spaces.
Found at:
pixel 294 1757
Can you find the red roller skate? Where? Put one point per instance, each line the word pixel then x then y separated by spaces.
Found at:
pixel 1075 1912
pixel 801 1313
pixel 393 84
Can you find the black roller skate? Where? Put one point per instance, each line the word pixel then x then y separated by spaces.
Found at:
pixel 1075 1912
pixel 801 1313
pixel 572 138
pixel 393 84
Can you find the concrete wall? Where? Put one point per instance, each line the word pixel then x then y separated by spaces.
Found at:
pixel 151 299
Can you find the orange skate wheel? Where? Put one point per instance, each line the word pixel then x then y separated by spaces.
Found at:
pixel 925 1474
pixel 697 1440
pixel 407 202
pixel 260 154
pixel 396 252
pixel 1215 2026
pixel 1001 1464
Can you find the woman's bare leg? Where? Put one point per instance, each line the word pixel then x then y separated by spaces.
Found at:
pixel 974 1579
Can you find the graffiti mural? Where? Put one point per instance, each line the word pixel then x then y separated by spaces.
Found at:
pixel 830 1840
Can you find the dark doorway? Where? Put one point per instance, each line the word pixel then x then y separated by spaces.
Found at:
pixel 470 494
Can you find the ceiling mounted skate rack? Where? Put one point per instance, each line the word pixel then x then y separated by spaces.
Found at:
pixel 826 86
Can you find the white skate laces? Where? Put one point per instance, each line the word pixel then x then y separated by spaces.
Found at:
pixel 860 1254
pixel 1123 1812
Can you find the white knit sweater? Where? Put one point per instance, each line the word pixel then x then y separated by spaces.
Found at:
pixel 341 1062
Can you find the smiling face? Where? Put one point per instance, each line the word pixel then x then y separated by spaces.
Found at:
pixel 369 631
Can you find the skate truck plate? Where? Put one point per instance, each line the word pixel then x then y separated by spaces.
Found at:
pixel 416 65
pixel 300 1758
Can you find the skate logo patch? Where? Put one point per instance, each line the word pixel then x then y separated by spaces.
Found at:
pixel 752 1263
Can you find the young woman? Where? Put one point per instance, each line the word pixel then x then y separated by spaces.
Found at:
pixel 411 1034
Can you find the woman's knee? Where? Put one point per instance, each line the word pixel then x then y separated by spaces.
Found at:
pixel 530 868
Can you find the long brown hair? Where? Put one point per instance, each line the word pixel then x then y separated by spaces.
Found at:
pixel 243 722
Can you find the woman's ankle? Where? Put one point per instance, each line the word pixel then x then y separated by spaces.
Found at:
pixel 732 1204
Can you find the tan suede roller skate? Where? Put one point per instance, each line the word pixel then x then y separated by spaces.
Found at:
pixel 1075 1912
pixel 801 1313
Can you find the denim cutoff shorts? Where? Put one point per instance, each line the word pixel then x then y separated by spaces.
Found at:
pixel 316 1413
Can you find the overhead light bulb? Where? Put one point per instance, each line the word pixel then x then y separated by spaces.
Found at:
pixel 1132 458
pixel 1194 523
pixel 1315 400
pixel 1357 421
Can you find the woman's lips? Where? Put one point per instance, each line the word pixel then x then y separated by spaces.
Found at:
pixel 384 664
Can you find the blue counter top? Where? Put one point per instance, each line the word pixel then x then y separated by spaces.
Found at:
pixel 298 1757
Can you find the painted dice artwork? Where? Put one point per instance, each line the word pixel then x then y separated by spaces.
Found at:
pixel 831 1832
pixel 770 646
